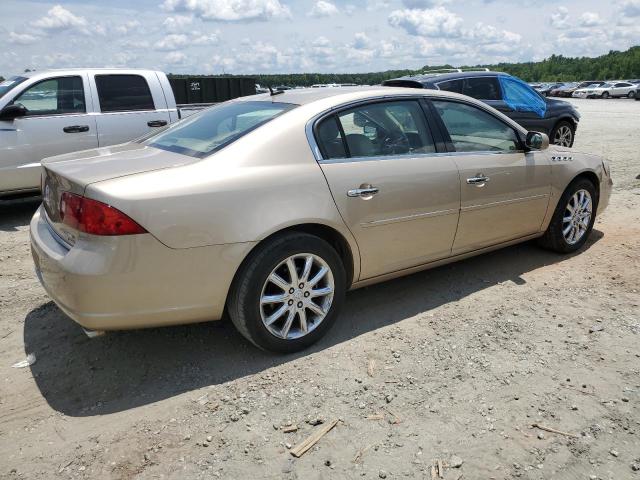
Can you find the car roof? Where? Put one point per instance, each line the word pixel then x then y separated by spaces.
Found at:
pixel 431 77
pixel 340 95
pixel 77 71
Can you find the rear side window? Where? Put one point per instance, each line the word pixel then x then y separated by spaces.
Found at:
pixel 55 96
pixel 214 128
pixel 482 88
pixel 377 130
pixel 474 130
pixel 123 93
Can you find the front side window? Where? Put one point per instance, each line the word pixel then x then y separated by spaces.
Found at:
pixel 474 130
pixel 379 129
pixel 55 96
pixel 214 128
pixel 123 93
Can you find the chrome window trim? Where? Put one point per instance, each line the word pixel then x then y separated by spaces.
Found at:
pixel 315 148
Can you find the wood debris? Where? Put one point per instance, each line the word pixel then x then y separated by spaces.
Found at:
pixel 290 428
pixel 371 367
pixel 553 430
pixel 301 448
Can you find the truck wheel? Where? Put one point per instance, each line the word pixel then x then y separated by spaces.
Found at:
pixel 288 293
pixel 563 134
pixel 573 218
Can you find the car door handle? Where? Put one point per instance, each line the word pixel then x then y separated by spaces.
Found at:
pixel 157 123
pixel 363 192
pixel 76 129
pixel 478 179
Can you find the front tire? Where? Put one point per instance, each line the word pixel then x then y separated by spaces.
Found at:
pixel 288 293
pixel 605 95
pixel 573 218
pixel 563 134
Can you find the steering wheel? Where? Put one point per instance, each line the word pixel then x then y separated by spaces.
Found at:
pixel 395 142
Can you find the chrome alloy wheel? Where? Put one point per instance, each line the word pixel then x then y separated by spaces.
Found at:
pixel 297 296
pixel 563 136
pixel 577 216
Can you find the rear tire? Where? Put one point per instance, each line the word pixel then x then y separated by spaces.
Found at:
pixel 563 134
pixel 285 315
pixel 631 94
pixel 560 236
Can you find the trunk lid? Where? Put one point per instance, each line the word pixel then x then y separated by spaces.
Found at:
pixel 74 171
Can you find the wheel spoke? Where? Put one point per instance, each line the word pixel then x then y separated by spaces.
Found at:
pixel 279 281
pixel 318 276
pixel 293 273
pixel 287 324
pixel 316 309
pixel 321 292
pixel 567 219
pixel 303 320
pixel 566 230
pixel 276 315
pixel 267 299
pixel 308 263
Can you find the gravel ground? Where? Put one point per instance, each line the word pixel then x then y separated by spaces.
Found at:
pixel 454 364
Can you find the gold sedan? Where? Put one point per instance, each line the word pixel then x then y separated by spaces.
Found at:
pixel 271 207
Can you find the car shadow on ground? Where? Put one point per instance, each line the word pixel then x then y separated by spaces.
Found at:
pixel 17 213
pixel 79 376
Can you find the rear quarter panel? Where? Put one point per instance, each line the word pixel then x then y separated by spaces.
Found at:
pixel 263 183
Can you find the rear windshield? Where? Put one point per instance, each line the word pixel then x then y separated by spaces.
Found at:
pixel 8 84
pixel 208 131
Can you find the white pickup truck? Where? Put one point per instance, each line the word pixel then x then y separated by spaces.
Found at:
pixel 49 113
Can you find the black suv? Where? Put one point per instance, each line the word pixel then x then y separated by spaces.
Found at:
pixel 518 100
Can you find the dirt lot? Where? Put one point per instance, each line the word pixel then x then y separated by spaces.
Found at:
pixel 455 362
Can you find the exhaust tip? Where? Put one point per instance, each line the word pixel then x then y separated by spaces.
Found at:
pixel 93 333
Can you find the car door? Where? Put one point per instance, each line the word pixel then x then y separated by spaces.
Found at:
pixel 57 121
pixel 504 190
pixel 397 195
pixel 129 105
pixel 622 89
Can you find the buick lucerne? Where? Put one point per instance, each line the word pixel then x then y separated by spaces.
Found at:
pixel 271 207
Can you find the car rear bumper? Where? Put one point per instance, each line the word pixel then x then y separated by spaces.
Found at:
pixel 134 281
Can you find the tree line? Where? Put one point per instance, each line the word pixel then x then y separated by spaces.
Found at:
pixel 556 68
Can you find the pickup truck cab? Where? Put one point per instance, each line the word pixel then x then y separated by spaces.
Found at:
pixel 49 113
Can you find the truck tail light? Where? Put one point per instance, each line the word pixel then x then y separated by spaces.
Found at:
pixel 94 217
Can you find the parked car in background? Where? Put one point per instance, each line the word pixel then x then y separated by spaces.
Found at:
pixel 568 90
pixel 59 111
pixel 509 95
pixel 270 207
pixel 547 88
pixel 559 91
pixel 612 89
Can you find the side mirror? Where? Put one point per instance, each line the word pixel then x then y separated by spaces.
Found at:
pixel 11 112
pixel 537 141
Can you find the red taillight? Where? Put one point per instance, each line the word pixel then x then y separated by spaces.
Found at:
pixel 94 217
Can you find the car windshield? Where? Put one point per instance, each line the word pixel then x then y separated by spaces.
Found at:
pixel 214 128
pixel 8 84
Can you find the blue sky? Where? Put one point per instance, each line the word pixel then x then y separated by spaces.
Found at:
pixel 265 36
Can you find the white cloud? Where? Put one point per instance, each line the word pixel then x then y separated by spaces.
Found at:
pixel 431 22
pixel 424 3
pixel 560 18
pixel 59 18
pixel 361 41
pixel 322 8
pixel 172 42
pixel 128 27
pixel 229 11
pixel 175 58
pixel 177 23
pixel 22 38
pixel 590 19
pixel 204 38
pixel 630 8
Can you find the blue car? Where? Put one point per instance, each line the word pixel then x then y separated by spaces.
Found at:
pixel 508 94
